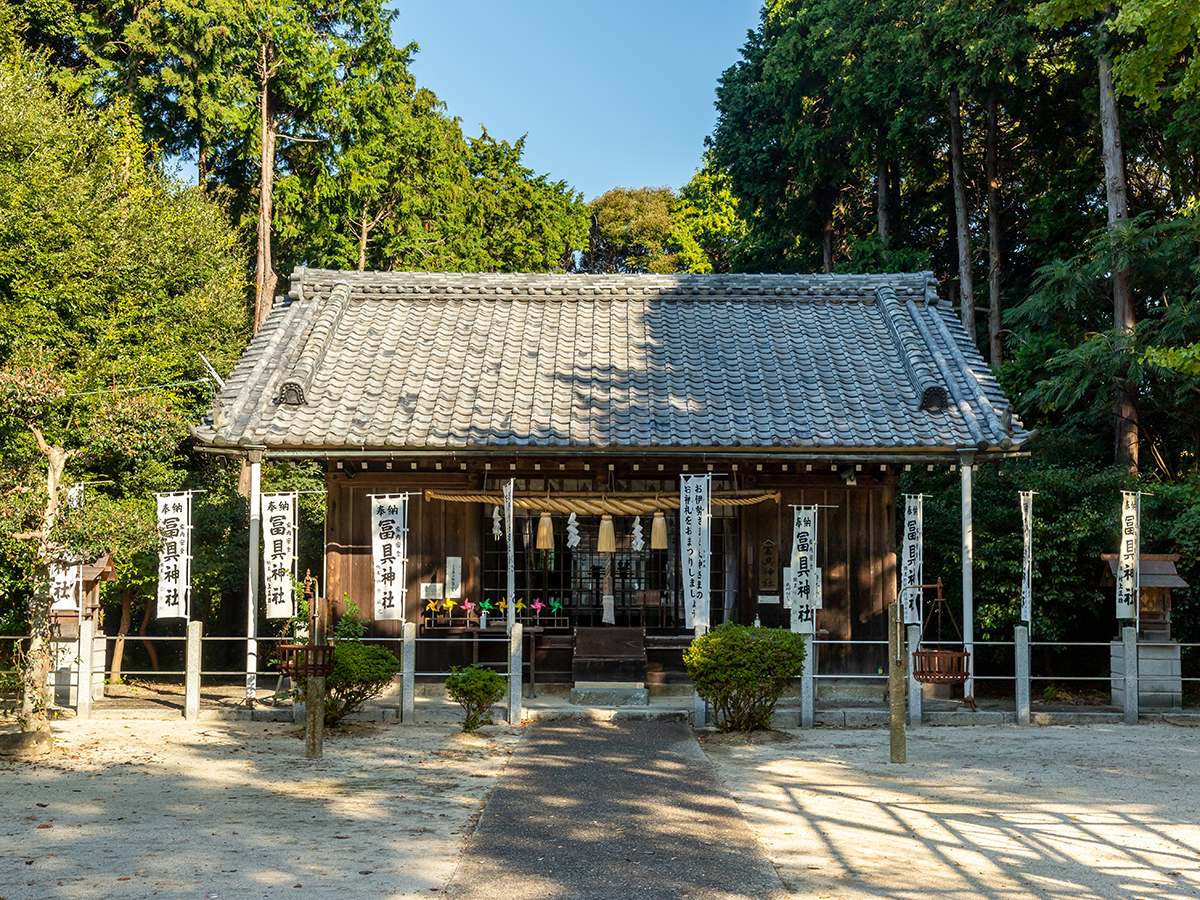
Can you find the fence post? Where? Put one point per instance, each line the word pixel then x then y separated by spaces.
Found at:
pixel 808 693
pixel 897 663
pixel 915 693
pixel 408 674
pixel 191 669
pixel 1021 640
pixel 1129 639
pixel 515 664
pixel 83 694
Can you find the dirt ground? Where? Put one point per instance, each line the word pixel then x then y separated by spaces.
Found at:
pixel 175 810
pixel 998 812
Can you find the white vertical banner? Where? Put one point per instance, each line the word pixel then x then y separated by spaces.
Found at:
pixel 65 586
pixel 913 562
pixel 389 554
pixel 695 547
pixel 803 573
pixel 511 596
pixel 1127 565
pixel 279 554
pixel 175 554
pixel 1027 563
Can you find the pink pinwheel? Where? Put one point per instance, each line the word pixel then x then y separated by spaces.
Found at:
pixel 538 606
pixel 468 606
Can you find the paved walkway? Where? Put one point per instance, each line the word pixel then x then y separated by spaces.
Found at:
pixel 612 810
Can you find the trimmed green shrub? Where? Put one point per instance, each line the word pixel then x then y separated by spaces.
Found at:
pixel 743 672
pixel 360 672
pixel 475 689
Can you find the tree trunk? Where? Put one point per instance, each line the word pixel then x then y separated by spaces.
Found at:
pixel 993 177
pixel 35 696
pixel 1125 411
pixel 882 199
pixel 35 673
pixel 149 645
pixel 264 276
pixel 966 290
pixel 364 232
pixel 827 245
pixel 119 644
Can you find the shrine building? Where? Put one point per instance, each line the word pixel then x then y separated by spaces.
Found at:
pixel 594 394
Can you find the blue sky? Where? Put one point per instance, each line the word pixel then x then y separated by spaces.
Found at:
pixel 612 93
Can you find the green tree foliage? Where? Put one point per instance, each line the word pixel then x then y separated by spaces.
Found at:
pixel 114 281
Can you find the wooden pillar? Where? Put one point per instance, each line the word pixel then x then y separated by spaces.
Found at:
pixel 255 458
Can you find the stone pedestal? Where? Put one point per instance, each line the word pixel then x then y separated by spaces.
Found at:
pixel 610 693
pixel 1160 684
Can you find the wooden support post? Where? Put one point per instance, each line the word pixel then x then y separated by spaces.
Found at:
pixel 255 457
pixel 896 667
pixel 967 462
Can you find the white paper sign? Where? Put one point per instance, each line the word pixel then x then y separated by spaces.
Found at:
pixel 765 598
pixel 431 590
pixel 279 554
pixel 695 542
pixel 1027 565
pixel 803 570
pixel 454 577
pixel 1127 566
pixel 175 554
pixel 389 553
pixel 913 561
pixel 64 586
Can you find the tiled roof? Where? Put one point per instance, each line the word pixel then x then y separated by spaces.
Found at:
pixel 405 361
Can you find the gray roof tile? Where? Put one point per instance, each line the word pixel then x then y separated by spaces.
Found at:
pixel 395 361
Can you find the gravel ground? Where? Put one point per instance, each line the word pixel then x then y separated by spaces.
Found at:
pixel 989 812
pixel 233 810
pixel 176 810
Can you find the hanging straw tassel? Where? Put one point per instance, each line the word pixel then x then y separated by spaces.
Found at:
pixel 545 536
pixel 608 537
pixel 658 532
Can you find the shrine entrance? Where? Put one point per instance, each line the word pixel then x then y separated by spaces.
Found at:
pixel 570 583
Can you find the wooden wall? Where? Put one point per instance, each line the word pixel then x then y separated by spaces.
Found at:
pixel 856 548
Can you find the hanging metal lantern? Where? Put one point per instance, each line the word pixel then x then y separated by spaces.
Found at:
pixel 608 537
pixel 545 537
pixel 658 531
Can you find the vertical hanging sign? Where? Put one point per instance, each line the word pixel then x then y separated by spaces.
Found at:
pixel 279 556
pixel 803 570
pixel 511 596
pixel 1127 565
pixel 389 552
pixel 913 562
pixel 1027 565
pixel 695 545
pixel 64 586
pixel 175 554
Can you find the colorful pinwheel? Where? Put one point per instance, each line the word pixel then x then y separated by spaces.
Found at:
pixel 450 604
pixel 431 606
pixel 502 605
pixel 520 605
pixel 538 606
pixel 468 606
pixel 555 604
pixel 486 605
